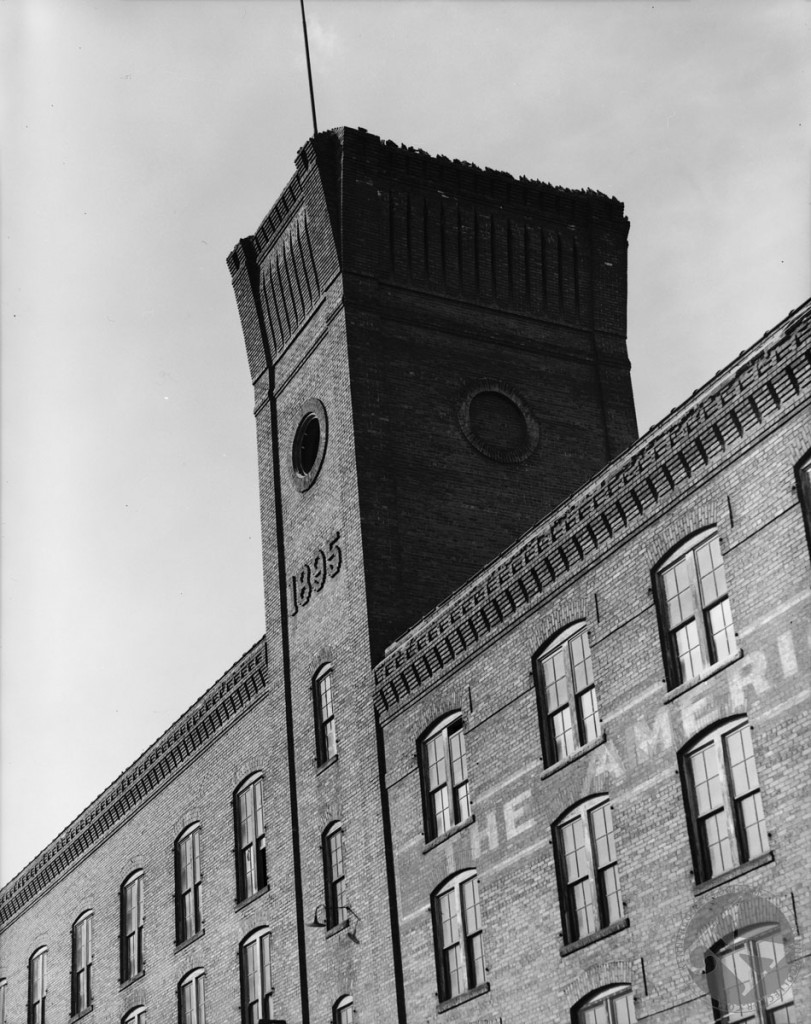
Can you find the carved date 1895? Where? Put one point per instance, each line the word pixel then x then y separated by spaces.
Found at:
pixel 313 575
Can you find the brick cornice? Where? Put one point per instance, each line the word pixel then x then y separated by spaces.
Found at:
pixel 228 698
pixel 736 407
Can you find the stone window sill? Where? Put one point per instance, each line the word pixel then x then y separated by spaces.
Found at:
pixel 733 873
pixel 463 997
pixel 81 1014
pixel 252 899
pixel 336 928
pixel 603 933
pixel 580 752
pixel 702 677
pixel 187 942
pixel 126 982
pixel 327 764
pixel 447 835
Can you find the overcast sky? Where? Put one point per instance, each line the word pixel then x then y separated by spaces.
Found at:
pixel 142 138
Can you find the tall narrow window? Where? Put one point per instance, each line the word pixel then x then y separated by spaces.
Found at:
pixel 749 978
pixel 458 935
pixel 804 490
pixel 614 1005
pixel 250 830
pixel 725 809
pixel 81 981
pixel 37 986
pixel 257 990
pixel 188 882
pixel 342 1011
pixel 333 846
pixel 326 747
pixel 444 772
pixel 132 926
pixel 3 985
pixel 135 1016
pixel 587 859
pixel 191 998
pixel 697 616
pixel 569 712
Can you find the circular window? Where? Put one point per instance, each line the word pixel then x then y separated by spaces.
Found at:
pixel 309 445
pixel 497 422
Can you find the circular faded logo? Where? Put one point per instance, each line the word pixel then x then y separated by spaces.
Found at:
pixel 740 947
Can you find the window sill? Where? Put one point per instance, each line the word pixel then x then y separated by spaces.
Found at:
pixel 252 899
pixel 463 997
pixel 131 981
pixel 81 1014
pixel 603 933
pixel 733 873
pixel 580 752
pixel 719 666
pixel 447 835
pixel 327 764
pixel 187 942
pixel 336 928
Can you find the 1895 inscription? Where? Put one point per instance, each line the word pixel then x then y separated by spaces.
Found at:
pixel 313 575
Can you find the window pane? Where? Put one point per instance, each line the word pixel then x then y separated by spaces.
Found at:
pixel 574 850
pixel 563 733
pixel 470 902
pixel 589 715
pixel 456 741
pixel 609 881
pixel 554 675
pixel 756 841
pixel 706 779
pixel 679 597
pixel 688 650
pixel 449 917
pixel 582 903
pixel 463 801
pixel 623 1006
pixel 717 844
pixel 476 960
pixel 442 812
pixel 603 832
pixel 437 772
pixel 742 761
pixel 581 661
pixel 722 632
pixel 711 571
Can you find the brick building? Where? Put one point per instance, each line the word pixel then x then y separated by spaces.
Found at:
pixel 524 739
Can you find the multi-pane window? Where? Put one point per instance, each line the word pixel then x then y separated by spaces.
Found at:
pixel 342 1012
pixel 257 990
pixel 135 1016
pixel 458 934
pixel 569 712
pixel 191 998
pixel 37 986
pixel 324 715
pixel 333 847
pixel 614 1005
pixel 132 926
pixel 444 771
pixel 723 799
pixel 749 978
pixel 81 981
pixel 698 619
pixel 250 834
pixel 188 883
pixel 587 859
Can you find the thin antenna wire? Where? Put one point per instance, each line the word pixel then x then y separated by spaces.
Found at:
pixel 309 69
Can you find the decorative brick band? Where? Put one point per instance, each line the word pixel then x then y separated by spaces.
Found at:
pixel 237 690
pixel 741 402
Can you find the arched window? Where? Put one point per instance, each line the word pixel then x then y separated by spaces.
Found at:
pixel 749 978
pixel 724 806
pixel 137 1015
pixel 37 985
pixel 332 845
pixel 132 926
pixel 191 998
pixel 81 980
pixel 446 792
pixel 342 1011
pixel 458 935
pixel 257 987
pixel 696 615
pixel 613 1005
pixel 587 868
pixel 188 883
pixel 569 715
pixel 250 838
pixel 325 740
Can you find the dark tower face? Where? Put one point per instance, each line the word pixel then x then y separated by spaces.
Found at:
pixel 438 355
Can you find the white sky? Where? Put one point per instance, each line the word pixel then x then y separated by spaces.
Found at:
pixel 144 137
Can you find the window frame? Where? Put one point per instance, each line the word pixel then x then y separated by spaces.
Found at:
pixel 607 997
pixel 326 738
pixel 133 882
pixel 747 939
pixel 334 859
pixel 602 900
pixel 251 855
pixel 188 898
pixel 261 939
pixel 563 642
pixel 458 806
pixel 716 738
pixel 81 975
pixel 137 1015
pixel 3 990
pixel 470 961
pixel 339 1008
pixel 803 475
pixel 705 649
pixel 38 985
pixel 193 982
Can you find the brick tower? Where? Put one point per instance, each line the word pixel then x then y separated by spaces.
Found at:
pixel 438 355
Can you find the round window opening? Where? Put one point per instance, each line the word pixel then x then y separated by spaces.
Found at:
pixel 497 421
pixel 309 445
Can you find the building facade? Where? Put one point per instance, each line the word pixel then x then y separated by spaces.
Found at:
pixel 525 737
